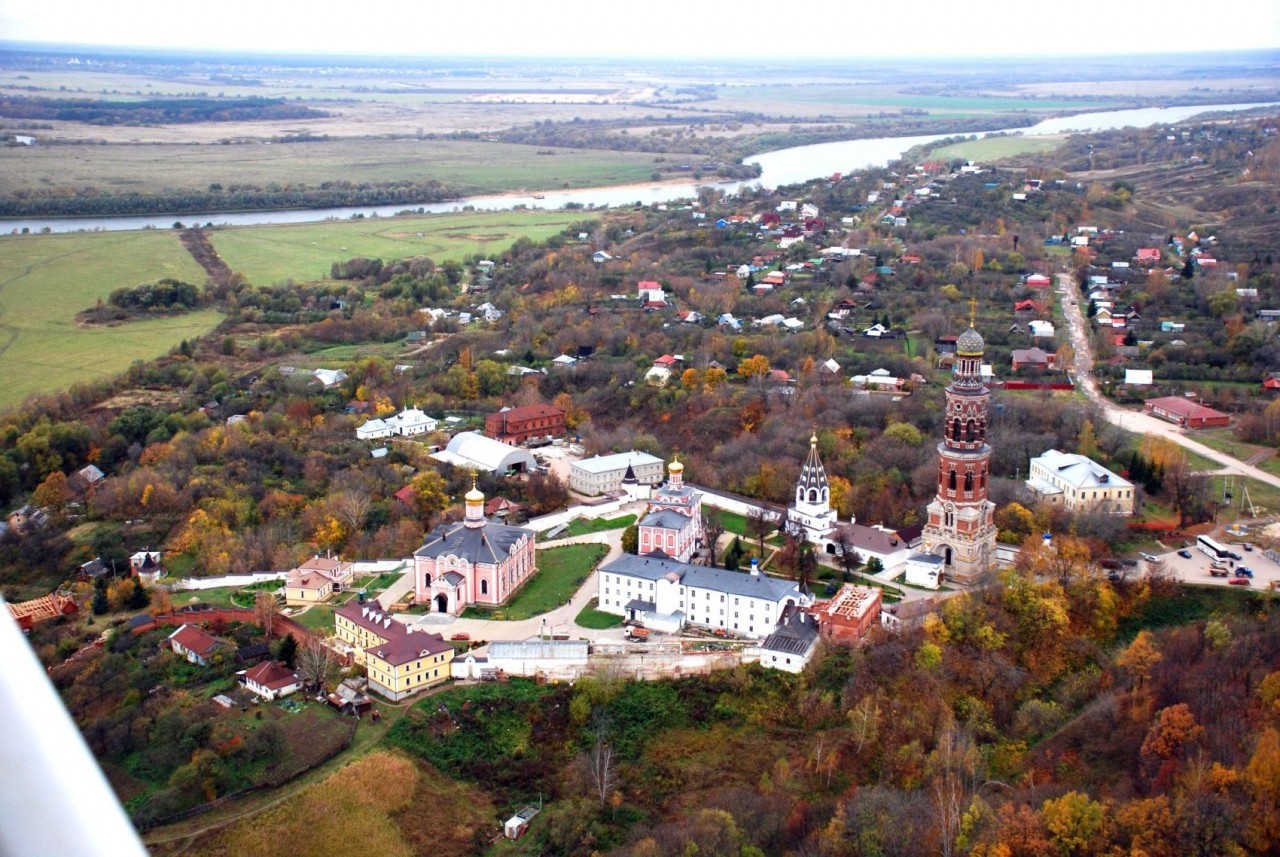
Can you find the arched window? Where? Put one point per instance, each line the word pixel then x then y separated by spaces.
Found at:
pixel 982 480
pixel 955 429
pixel 813 495
pixel 426 579
pixel 951 481
pixel 968 480
pixel 969 430
pixel 484 587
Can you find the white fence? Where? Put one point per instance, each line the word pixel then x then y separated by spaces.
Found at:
pixel 230 580
pixel 555 519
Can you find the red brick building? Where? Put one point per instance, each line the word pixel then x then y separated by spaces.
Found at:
pixel 849 615
pixel 517 425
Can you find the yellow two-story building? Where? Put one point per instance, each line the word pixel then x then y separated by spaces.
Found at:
pixel 408 664
pixel 399 662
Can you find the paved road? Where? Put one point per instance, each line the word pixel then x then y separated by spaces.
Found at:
pixel 1136 421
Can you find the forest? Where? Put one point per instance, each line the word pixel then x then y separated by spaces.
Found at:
pixel 153 111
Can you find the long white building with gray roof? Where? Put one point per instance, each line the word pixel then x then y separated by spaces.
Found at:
pixel 666 595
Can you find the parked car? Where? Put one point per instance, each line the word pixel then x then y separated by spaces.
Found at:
pixel 1248 547
pixel 1149 557
pixel 1237 557
pixel 1244 572
pixel 1184 553
pixel 461 635
pixel 1239 581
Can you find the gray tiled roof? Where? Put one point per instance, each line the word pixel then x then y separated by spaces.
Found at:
pixel 491 543
pixel 795 638
pixel 700 576
pixel 666 519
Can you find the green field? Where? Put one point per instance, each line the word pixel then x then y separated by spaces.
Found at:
pixel 270 254
pixel 560 572
pixel 47 279
pixel 585 526
pixel 463 166
pixel 996 148
pixel 590 617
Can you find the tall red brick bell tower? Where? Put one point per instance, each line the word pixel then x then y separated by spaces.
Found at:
pixel 960 527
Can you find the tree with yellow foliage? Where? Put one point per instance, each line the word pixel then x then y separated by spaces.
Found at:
pixel 754 367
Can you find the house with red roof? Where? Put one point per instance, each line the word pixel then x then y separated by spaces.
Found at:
pixel 195 644
pixel 1147 256
pixel 1185 412
pixel 271 680
pixel 1038 281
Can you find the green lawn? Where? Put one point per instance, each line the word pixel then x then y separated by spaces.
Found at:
pixel 47 279
pixel 584 526
pixel 219 597
pixel 319 617
pixel 560 572
pixel 996 148
pixel 306 251
pixel 590 617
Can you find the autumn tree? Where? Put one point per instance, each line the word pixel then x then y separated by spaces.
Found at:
pixel 760 523
pixel 1075 823
pixel 264 611
pixel 430 496
pixel 318 665
pixel 753 368
pixel 712 530
pixel 53 493
pixel 1262 781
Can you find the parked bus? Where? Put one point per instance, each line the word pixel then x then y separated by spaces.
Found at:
pixel 1212 549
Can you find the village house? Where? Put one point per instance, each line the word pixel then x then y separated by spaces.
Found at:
pixel 525 423
pixel 792 644
pixel 146 565
pixel 316 580
pixel 1032 358
pixel 1079 484
pixel 195 644
pixel 407 423
pixel 270 680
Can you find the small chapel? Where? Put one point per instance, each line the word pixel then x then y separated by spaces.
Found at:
pixel 472 561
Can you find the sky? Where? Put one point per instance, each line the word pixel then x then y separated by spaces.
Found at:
pixel 656 28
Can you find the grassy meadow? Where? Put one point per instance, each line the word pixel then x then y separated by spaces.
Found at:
pixel 46 279
pixel 466 166
pixel 270 254
pixel 996 148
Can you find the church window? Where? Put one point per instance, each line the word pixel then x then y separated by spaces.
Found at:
pixel 968 480
pixel 484 587
pixel 813 495
pixel 969 430
pixel 951 481
pixel 955 428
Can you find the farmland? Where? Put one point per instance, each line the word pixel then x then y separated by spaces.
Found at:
pixel 49 278
pixel 268 254
pixel 466 167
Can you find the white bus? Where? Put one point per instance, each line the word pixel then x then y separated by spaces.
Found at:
pixel 1212 549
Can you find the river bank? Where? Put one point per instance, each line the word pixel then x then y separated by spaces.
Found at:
pixel 781 167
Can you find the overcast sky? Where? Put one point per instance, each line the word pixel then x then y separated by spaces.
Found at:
pixel 656 28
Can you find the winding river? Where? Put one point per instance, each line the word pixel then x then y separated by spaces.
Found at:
pixel 781 167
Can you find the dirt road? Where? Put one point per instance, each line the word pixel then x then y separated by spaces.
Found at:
pixel 1135 421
